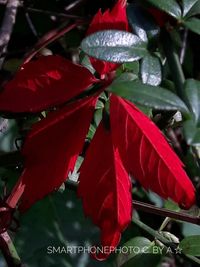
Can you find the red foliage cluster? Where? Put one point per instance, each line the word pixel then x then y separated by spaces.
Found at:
pixel 131 144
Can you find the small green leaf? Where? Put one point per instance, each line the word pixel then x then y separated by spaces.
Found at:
pixel 142 23
pixel 170 6
pixel 193 24
pixel 191 245
pixel 151 72
pixel 192 92
pixel 147 95
pixel 187 6
pixel 114 46
pixel 170 205
pixel 132 66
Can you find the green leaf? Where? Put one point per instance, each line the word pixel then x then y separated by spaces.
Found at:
pixel 142 23
pixel 151 72
pixel 194 10
pixel 170 6
pixel 187 6
pixel 126 76
pixel 191 245
pixel 138 252
pixel 170 205
pixel 192 92
pixel 193 24
pixel 132 66
pixel 191 133
pixel 133 247
pixel 114 46
pixel 147 95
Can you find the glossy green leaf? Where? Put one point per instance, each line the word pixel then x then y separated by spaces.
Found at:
pixel 193 24
pixel 191 245
pixel 151 72
pixel 141 22
pixel 194 10
pixel 133 247
pixel 170 6
pixel 188 5
pixel 192 92
pixel 114 46
pixel 147 95
pixel 191 133
pixel 137 252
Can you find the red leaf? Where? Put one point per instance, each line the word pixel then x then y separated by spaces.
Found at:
pixel 115 19
pixel 147 155
pixel 46 82
pixel 105 189
pixel 49 151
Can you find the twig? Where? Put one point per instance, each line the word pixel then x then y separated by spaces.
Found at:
pixel 31 25
pixel 53 13
pixel 184 46
pixel 148 208
pixel 76 4
pixel 165 212
pixel 7 27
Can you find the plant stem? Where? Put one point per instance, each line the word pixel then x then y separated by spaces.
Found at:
pixel 152 232
pixel 148 208
pixel 165 212
pixel 8 250
pixel 162 239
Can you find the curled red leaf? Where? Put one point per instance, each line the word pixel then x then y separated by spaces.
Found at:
pixel 105 190
pixel 43 83
pixel 116 19
pixel 147 155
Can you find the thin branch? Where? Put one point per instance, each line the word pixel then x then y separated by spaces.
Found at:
pixel 165 212
pixel 30 23
pixel 76 4
pixel 56 14
pixel 7 27
pixel 148 208
pixel 184 46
